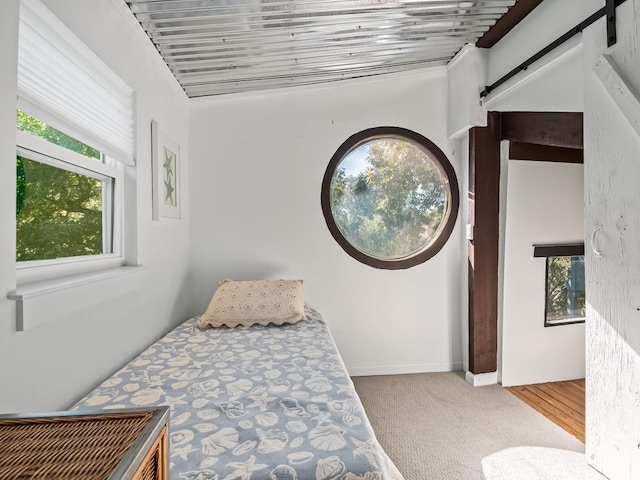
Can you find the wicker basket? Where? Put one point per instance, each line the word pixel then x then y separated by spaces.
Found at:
pixel 109 444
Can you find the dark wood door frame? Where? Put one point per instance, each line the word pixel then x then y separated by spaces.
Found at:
pixel 549 136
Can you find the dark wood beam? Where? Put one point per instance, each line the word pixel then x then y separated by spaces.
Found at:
pixel 556 129
pixel 484 214
pixel 559 250
pixel 514 15
pixel 544 153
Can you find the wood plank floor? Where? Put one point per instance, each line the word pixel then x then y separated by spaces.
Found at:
pixel 560 402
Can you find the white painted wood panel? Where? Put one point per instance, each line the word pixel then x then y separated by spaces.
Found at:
pixel 619 90
pixel 612 205
pixel 467 77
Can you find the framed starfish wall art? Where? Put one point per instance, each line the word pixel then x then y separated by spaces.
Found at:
pixel 166 174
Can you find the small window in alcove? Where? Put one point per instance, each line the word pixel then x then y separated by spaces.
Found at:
pixel 565 300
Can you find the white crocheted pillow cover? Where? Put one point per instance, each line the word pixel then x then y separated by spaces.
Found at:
pixel 255 302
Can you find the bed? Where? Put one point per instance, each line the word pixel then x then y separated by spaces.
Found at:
pixel 261 402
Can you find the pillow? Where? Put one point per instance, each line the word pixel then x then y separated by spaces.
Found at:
pixel 255 302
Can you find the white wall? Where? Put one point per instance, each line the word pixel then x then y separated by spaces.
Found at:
pixel 8 92
pixel 53 365
pixel 529 352
pixel 544 206
pixel 548 21
pixel 257 163
pixel 556 86
pixel 554 83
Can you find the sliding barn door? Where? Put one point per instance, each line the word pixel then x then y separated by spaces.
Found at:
pixel 612 246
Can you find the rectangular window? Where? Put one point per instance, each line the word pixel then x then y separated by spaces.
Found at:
pixel 62 209
pixel 565 299
pixel 75 135
pixel 65 197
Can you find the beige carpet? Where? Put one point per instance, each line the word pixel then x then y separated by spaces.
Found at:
pixel 436 426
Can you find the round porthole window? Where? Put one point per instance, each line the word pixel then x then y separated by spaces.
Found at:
pixel 390 197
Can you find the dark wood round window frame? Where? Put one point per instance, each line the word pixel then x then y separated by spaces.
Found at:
pixel 452 205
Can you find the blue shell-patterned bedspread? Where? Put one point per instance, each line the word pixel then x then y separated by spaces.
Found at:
pixel 252 403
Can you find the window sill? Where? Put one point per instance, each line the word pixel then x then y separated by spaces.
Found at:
pixel 28 291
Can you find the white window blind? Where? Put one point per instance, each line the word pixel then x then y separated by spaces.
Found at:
pixel 65 84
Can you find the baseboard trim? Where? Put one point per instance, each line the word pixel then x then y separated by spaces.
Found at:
pixel 481 379
pixel 371 370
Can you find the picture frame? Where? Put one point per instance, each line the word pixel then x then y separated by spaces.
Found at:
pixel 166 190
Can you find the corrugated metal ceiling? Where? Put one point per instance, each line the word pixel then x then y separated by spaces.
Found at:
pixel 217 47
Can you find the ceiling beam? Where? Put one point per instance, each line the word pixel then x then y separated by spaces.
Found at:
pixel 555 129
pixel 515 15
pixel 544 153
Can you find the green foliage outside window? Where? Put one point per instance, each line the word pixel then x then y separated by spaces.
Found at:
pixel 393 206
pixel 21 185
pixel 565 289
pixel 58 212
pixel 27 123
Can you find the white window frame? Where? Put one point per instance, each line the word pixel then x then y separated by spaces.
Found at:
pixel 40 150
pixel 63 83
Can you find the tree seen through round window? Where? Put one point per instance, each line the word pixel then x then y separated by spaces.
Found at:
pixel 390 197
